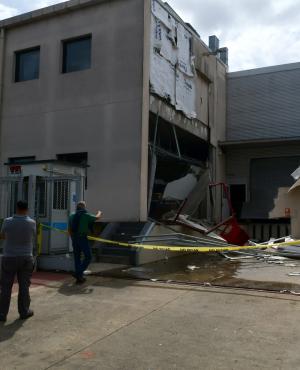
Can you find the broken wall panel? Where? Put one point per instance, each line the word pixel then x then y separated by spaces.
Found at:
pixel 185 94
pixel 174 181
pixel 163 78
pixel 172 74
pixel 180 170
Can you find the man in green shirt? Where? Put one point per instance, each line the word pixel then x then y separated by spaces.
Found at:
pixel 80 224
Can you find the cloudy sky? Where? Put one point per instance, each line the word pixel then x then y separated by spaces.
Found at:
pixel 258 33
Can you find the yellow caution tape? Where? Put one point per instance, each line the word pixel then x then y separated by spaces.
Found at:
pixel 195 249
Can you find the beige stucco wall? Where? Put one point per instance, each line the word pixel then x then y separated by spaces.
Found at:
pixel 211 92
pixel 288 201
pixel 98 110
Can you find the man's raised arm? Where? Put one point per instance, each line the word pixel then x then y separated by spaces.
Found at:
pixel 98 215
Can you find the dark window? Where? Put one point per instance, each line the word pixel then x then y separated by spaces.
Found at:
pixel 78 158
pixel 27 64
pixel 77 54
pixel 41 197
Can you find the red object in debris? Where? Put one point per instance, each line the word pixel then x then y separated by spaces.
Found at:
pixel 287 212
pixel 16 169
pixel 229 229
pixel 233 233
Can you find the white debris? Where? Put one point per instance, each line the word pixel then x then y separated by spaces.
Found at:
pixel 276 258
pixel 275 262
pixel 236 258
pixel 289 292
pixel 294 274
pixel 295 293
pixel 192 268
pixel 139 269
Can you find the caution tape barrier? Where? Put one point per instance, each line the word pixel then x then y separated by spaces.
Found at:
pixel 196 249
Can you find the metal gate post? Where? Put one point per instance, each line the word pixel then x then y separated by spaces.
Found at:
pixel 31 195
pixel 79 189
pixel 20 189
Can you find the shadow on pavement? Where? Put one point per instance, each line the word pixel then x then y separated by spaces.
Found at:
pixel 8 331
pixel 69 288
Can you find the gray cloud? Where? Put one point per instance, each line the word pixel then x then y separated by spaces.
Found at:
pixel 258 33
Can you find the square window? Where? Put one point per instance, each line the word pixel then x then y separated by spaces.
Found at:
pixel 27 64
pixel 77 54
pixel 61 194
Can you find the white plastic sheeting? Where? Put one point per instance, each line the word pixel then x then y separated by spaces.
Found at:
pixel 172 74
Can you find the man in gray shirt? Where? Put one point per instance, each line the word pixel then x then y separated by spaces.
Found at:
pixel 19 233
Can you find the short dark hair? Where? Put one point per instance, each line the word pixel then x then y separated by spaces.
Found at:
pixel 22 205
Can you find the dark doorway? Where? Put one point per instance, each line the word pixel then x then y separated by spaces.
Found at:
pixel 238 197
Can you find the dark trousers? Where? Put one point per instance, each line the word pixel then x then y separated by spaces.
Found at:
pixel 12 267
pixel 81 248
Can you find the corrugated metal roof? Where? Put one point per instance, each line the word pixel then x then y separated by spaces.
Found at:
pixel 264 70
pixel 264 106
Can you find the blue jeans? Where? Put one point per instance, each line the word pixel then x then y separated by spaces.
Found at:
pixel 81 247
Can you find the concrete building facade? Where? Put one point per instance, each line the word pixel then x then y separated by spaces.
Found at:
pixel 102 111
pixel 80 83
pixel 98 111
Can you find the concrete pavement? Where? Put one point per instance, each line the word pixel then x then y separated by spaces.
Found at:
pixel 129 325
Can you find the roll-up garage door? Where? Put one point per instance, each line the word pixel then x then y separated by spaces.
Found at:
pixel 266 176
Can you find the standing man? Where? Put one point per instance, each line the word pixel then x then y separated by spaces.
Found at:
pixel 19 233
pixel 80 223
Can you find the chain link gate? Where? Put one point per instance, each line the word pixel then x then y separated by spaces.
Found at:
pixel 10 192
pixel 51 200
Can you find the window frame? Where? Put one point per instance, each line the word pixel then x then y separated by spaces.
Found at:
pixel 65 42
pixel 61 195
pixel 17 54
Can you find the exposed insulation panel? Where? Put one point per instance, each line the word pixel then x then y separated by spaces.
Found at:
pixel 172 74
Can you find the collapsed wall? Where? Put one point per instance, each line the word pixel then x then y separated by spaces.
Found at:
pixel 187 104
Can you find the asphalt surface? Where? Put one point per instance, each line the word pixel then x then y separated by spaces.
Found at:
pixel 124 324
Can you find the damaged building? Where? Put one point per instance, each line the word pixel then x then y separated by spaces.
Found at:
pixel 125 112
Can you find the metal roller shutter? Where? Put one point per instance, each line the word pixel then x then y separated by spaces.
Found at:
pixel 266 176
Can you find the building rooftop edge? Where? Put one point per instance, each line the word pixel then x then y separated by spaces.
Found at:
pixel 48 11
pixel 70 5
pixel 279 140
pixel 264 70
